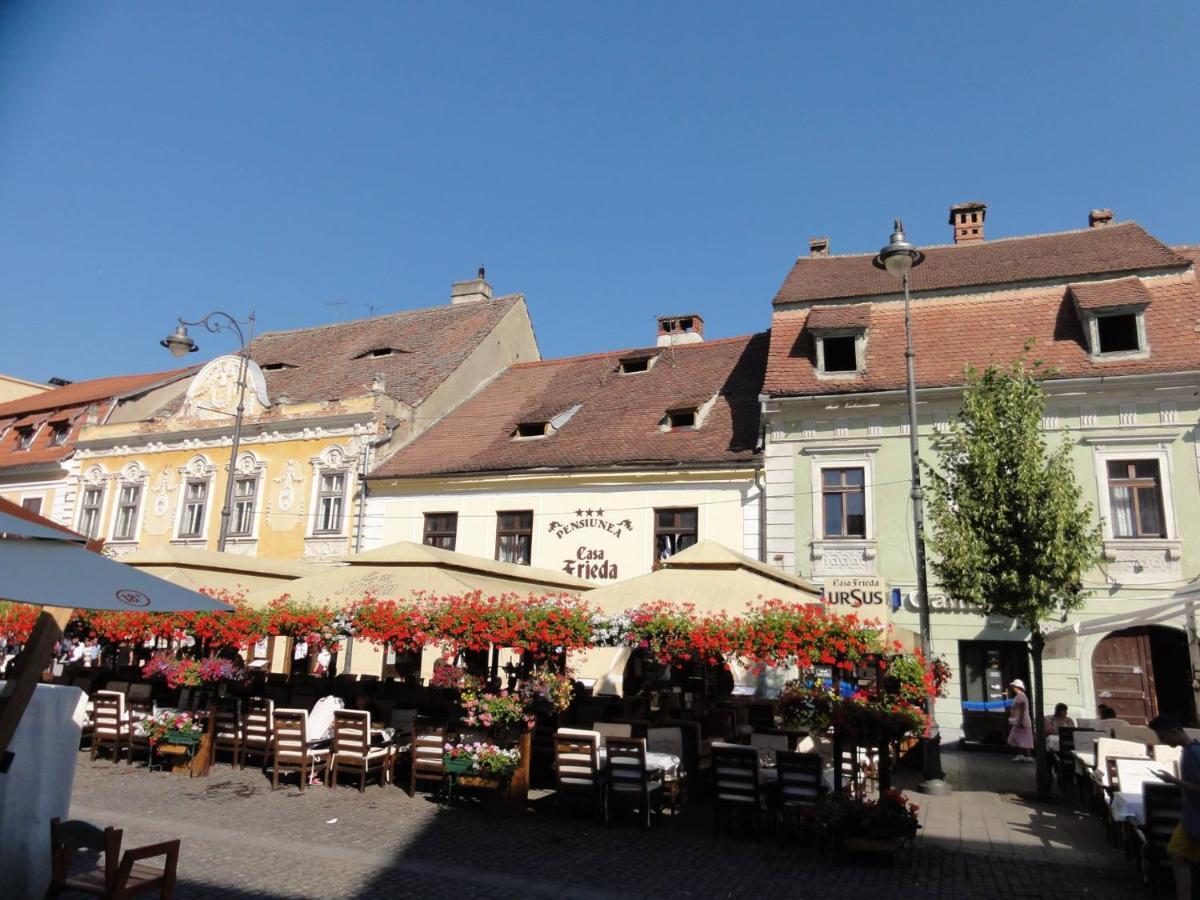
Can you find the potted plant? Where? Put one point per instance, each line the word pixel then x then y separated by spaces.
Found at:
pixel 869 828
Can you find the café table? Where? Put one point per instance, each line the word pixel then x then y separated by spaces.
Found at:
pixel 1128 806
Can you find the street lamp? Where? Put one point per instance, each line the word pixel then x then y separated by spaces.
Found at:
pixel 180 343
pixel 898 258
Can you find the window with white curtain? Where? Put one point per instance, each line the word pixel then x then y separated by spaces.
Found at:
pixel 195 502
pixel 89 511
pixel 1135 498
pixel 331 500
pixel 245 490
pixel 128 501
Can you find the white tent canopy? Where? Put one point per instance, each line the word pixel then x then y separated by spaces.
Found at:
pixel 1063 643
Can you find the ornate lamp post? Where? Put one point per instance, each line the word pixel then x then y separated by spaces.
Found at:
pixel 180 344
pixel 898 258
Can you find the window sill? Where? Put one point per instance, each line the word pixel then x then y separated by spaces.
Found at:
pixel 324 547
pixel 1148 560
pixel 1114 548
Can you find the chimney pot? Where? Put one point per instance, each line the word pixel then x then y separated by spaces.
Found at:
pixel 474 291
pixel 687 329
pixel 1099 218
pixel 818 246
pixel 967 221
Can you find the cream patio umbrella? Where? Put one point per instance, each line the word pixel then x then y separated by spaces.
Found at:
pixel 398 571
pixel 197 569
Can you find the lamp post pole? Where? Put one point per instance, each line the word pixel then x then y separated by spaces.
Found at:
pixel 899 257
pixel 180 344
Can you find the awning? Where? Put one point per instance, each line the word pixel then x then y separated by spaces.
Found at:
pixel 197 569
pixel 399 571
pixel 1063 643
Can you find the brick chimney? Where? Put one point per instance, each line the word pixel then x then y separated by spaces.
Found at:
pixel 473 291
pixel 1100 218
pixel 674 330
pixel 967 219
pixel 818 246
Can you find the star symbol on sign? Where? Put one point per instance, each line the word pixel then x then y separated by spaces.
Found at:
pixel 589 512
pixel 599 512
pixel 579 513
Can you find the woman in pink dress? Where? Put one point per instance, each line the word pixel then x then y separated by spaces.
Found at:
pixel 1020 735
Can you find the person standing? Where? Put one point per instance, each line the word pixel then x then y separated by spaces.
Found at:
pixel 1020 734
pixel 1184 846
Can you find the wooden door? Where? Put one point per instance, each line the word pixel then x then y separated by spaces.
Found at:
pixel 1123 676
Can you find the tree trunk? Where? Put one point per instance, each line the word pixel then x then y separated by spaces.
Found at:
pixel 1037 643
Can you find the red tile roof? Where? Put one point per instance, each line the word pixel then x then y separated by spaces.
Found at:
pixel 617 423
pixel 840 315
pixel 953 332
pixel 1116 249
pixel 432 342
pixel 63 404
pixel 1107 294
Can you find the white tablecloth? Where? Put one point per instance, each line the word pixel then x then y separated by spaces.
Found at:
pixel 664 762
pixel 38 787
pixel 1130 806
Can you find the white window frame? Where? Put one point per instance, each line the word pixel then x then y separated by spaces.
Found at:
pixel 333 460
pixel 83 508
pixel 248 466
pixel 1148 448
pixel 860 351
pixel 1091 328
pixel 40 497
pixel 199 469
pixel 136 521
pixel 843 456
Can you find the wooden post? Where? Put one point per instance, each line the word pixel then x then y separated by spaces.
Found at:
pixel 33 659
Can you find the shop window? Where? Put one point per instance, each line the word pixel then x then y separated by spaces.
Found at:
pixel 441 530
pixel 1135 499
pixel 514 537
pixel 844 503
pixel 674 530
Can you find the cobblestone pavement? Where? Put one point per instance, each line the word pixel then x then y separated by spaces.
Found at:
pixel 243 840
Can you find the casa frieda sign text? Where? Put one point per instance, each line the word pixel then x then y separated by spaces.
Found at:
pixel 590 562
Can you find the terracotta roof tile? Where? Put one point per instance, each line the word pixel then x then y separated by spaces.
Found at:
pixel 840 315
pixel 432 343
pixel 63 404
pixel 617 423
pixel 952 333
pixel 1107 294
pixel 1117 249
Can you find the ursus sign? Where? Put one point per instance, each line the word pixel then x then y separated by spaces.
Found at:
pixel 867 594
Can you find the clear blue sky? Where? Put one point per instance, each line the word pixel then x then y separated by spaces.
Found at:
pixel 612 161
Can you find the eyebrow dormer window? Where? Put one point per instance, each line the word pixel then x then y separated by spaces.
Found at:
pixel 532 430
pixel 379 353
pixel 636 364
pixel 680 419
pixel 276 367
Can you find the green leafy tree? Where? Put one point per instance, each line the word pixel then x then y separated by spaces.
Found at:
pixel 1008 529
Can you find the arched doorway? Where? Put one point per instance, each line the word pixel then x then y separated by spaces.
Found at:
pixel 1141 672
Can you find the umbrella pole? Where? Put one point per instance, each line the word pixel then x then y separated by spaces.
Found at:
pixel 30 663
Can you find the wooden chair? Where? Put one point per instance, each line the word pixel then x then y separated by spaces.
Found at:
pixel 800 787
pixel 117 876
pixel 577 773
pixel 290 749
pixel 228 729
pixel 138 743
pixel 352 750
pixel 739 790
pixel 614 729
pixel 258 739
pixel 1164 808
pixel 428 758
pixel 110 723
pixel 1064 760
pixel 630 783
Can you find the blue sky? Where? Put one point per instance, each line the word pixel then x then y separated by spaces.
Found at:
pixel 612 161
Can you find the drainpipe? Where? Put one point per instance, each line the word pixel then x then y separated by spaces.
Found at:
pixel 759 468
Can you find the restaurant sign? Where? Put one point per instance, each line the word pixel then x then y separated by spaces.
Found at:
pixel 859 593
pixel 586 559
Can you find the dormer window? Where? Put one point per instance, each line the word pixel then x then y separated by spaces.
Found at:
pixel 25 437
pixel 59 432
pixel 680 419
pixel 1113 316
pixel 526 430
pixel 276 367
pixel 839 332
pixel 379 353
pixel 634 364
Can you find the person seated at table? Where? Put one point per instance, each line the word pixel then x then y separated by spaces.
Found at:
pixel 1060 719
pixel 1184 846
pixel 1104 711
